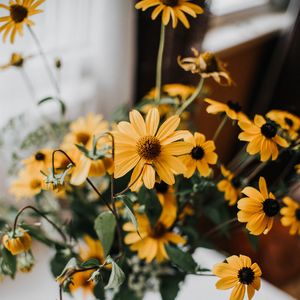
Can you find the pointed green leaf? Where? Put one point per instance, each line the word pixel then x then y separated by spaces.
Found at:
pixel 117 276
pixel 129 205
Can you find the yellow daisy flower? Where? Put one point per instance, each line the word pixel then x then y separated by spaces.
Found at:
pixel 291 215
pixel 171 9
pixel 19 11
pixel 230 186
pixel 150 244
pixel 206 65
pixel 287 121
pixel 147 149
pixel 232 109
pixel 258 209
pixel 16 60
pixel 201 156
pixel 39 161
pixel 262 137
pixel 239 273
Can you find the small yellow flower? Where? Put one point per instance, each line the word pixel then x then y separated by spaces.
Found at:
pixel 232 109
pixel 16 60
pixel 291 215
pixel 39 161
pixel 258 209
pixel 287 121
pixel 201 156
pixel 19 11
pixel 174 9
pixel 230 186
pixel 149 150
pixel 262 137
pixel 239 273
pixel 20 242
pixel 206 65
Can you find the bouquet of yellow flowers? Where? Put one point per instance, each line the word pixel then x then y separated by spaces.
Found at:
pixel 133 190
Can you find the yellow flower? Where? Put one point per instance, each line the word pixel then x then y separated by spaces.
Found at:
pixel 291 215
pixel 148 150
pixel 297 167
pixel 28 184
pixel 187 211
pixel 232 109
pixel 19 11
pixel 16 60
pixel 174 9
pixel 201 156
pixel 258 209
pixel 151 242
pixel 206 65
pixel 262 137
pixel 230 185
pixel 39 161
pixel 286 121
pixel 82 132
pixel 20 242
pixel 239 273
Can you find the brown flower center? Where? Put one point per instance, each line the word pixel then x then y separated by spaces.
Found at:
pixel 236 182
pixel 34 184
pixel 171 3
pixel 161 187
pixel 148 147
pixel 211 61
pixel 271 207
pixel 297 214
pixel 82 138
pixel 18 13
pixel 289 122
pixel 159 230
pixel 269 129
pixel 197 153
pixel 246 275
pixel 234 106
pixel 39 156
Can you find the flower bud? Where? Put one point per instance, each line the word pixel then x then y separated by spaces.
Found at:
pixel 18 242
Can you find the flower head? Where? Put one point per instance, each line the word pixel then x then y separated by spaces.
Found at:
pixel 201 156
pixel 149 150
pixel 16 60
pixel 19 13
pixel 39 161
pixel 174 9
pixel 206 65
pixel 17 242
pixel 230 186
pixel 239 273
pixel 263 137
pixel 291 215
pixel 258 209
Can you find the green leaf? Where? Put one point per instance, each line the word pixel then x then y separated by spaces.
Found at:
pixel 99 291
pixel 183 260
pixel 129 205
pixel 169 286
pixel 117 276
pixel 61 103
pixel 105 226
pixel 68 269
pixel 8 262
pixel 93 262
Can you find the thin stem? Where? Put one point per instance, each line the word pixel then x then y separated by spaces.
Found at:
pixel 42 215
pixel 159 62
pixel 220 226
pixel 60 293
pixel 220 127
pixel 190 100
pixel 28 83
pixel 43 55
pixel 255 172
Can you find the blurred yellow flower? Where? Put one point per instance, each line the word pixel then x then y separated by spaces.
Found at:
pixel 263 137
pixel 239 273
pixel 258 209
pixel 174 9
pixel 19 11
pixel 39 161
pixel 16 60
pixel 20 242
pixel 291 215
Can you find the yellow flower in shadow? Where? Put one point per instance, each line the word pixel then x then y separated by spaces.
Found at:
pixel 230 186
pixel 291 215
pixel 258 209
pixel 149 149
pixel 171 9
pixel 201 156
pixel 239 273
pixel 19 13
pixel 263 138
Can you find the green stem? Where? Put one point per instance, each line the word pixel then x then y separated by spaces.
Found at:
pixel 255 172
pixel 220 226
pixel 159 62
pixel 190 100
pixel 219 129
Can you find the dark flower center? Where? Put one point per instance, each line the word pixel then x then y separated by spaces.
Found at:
pixel 82 138
pixel 159 230
pixel 297 214
pixel 236 182
pixel 18 13
pixel 148 147
pixel 161 187
pixel 171 3
pixel 269 129
pixel 289 122
pixel 246 275
pixel 211 61
pixel 197 153
pixel 234 106
pixel 39 156
pixel 271 207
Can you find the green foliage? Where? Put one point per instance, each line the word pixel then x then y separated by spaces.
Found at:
pixel 105 226
pixel 93 262
pixel 8 262
pixel 170 285
pixel 117 276
pixel 60 102
pixel 59 261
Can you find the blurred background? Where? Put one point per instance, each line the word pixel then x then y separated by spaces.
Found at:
pixel 108 53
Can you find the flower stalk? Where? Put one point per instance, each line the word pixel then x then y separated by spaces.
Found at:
pixel 220 127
